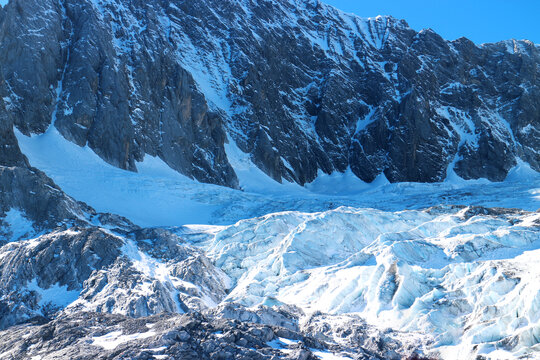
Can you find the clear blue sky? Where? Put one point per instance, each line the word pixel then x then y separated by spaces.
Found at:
pixel 480 20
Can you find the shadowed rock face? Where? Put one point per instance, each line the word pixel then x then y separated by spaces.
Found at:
pixel 62 62
pixel 297 84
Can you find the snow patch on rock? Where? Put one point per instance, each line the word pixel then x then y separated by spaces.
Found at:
pixel 56 295
pixel 159 196
pixel 112 340
pixel 18 226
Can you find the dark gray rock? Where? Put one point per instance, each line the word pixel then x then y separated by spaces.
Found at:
pixel 101 89
pixel 64 259
pixel 285 317
pixel 88 335
pixel 38 198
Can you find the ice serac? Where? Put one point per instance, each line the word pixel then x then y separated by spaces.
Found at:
pixel 298 85
pixel 461 276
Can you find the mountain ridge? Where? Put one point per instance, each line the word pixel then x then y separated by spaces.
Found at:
pixel 316 90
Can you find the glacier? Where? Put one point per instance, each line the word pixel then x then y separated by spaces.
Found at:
pixel 461 274
pixel 450 264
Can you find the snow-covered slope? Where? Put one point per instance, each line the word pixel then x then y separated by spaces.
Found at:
pixel 159 196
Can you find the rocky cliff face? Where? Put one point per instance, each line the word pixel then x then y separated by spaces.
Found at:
pixel 297 84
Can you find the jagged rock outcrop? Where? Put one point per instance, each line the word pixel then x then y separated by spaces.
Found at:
pixel 92 269
pixel 191 336
pixel 122 104
pixel 297 84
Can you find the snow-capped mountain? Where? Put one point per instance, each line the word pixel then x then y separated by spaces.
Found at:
pixel 238 179
pixel 299 86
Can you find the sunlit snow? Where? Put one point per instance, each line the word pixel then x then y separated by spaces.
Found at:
pixel 56 295
pixel 18 225
pixel 112 340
